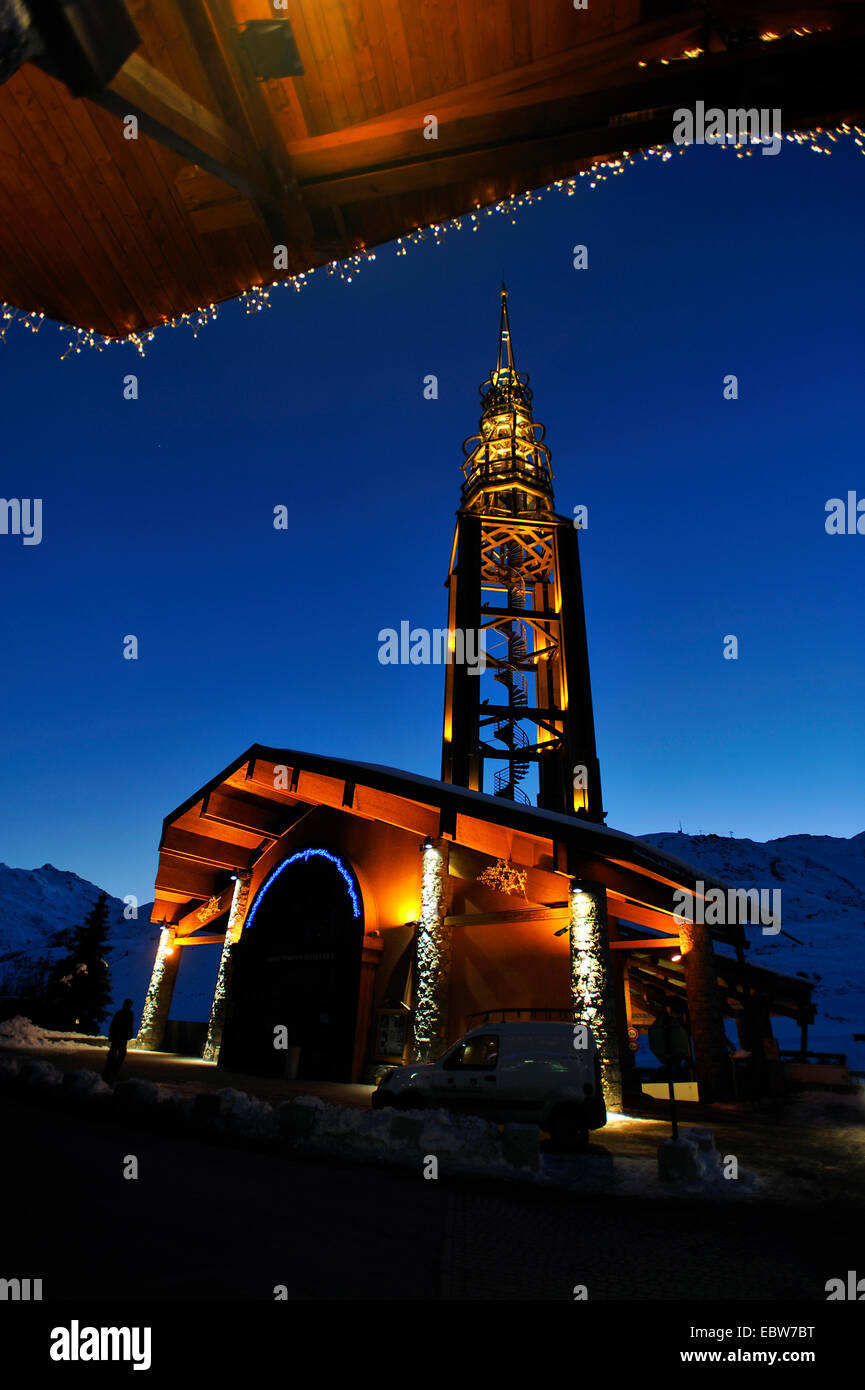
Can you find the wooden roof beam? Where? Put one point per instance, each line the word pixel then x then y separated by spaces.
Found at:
pixel 246 812
pixel 174 118
pixel 183 844
pixel 536 83
pixel 190 922
pixel 171 116
pixel 212 25
pixel 567 73
pixel 182 877
pixel 653 942
pixel 584 118
pixel 542 915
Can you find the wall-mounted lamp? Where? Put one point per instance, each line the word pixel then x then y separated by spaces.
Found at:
pixel 270 46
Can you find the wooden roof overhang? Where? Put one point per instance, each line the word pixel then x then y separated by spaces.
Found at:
pixel 243 811
pixel 653 976
pixel 121 234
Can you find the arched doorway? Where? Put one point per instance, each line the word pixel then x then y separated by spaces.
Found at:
pixel 297 965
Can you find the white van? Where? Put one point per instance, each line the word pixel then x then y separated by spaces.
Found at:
pixel 543 1073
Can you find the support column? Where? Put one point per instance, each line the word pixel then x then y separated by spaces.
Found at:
pixel 236 919
pixel 704 1008
pixel 160 991
pixel 755 1035
pixel 621 997
pixel 592 984
pixel 434 950
pixel 370 957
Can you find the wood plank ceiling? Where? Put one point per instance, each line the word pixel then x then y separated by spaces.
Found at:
pixel 119 235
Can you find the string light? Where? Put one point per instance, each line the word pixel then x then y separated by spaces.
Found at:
pixel 258 297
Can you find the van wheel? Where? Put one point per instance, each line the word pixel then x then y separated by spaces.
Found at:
pixel 409 1100
pixel 567 1128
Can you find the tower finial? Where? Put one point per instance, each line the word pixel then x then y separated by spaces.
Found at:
pixel 505 361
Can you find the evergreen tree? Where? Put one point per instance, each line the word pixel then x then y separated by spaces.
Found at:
pixel 79 988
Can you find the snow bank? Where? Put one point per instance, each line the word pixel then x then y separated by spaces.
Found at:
pixel 21 1032
pixel 82 1084
pixel 134 1095
pixel 39 1076
pixel 463 1137
pixel 693 1164
pixel 460 1142
pixel 232 1113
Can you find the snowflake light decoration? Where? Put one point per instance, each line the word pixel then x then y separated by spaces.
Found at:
pixel 209 910
pixel 504 877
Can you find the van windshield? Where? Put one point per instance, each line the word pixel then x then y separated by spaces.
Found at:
pixel 481 1052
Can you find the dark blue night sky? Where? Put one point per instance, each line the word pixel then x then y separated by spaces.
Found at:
pixel 706 516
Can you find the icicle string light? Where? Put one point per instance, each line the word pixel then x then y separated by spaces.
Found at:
pixel 257 298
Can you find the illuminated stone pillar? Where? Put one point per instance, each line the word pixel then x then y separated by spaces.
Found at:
pixel 704 1010
pixel 433 961
pixel 592 983
pixel 154 1015
pixel 236 919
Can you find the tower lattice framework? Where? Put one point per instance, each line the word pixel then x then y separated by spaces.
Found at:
pixel 515 577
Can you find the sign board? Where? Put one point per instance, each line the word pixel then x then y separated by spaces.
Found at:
pixel 669 1040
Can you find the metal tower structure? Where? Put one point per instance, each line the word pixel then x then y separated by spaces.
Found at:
pixel 515 577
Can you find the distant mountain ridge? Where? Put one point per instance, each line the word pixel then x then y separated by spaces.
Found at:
pixel 36 903
pixel 822 884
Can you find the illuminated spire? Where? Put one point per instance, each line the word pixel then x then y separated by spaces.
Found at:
pixel 506 352
pixel 507 463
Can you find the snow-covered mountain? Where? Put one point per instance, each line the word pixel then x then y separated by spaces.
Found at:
pixel 822 883
pixel 36 903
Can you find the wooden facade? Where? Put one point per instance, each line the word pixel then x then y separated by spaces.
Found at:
pixel 120 234
pixel 508 952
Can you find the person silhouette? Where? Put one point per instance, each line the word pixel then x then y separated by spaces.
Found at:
pixel 119 1033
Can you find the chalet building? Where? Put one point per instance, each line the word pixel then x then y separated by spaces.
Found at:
pixel 365 915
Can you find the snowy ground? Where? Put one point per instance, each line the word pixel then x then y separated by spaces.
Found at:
pixel 809 1150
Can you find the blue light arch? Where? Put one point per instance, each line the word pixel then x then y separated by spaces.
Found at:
pixel 307 854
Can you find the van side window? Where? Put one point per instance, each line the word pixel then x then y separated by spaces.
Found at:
pixel 477 1054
